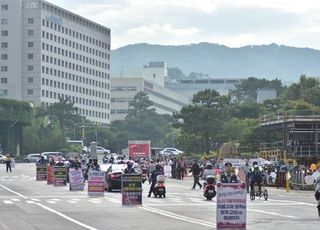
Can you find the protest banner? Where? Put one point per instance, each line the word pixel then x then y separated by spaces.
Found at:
pixel 96 183
pixel 76 182
pixel 235 162
pixel 167 170
pixel 131 189
pixel 60 176
pixel 13 163
pixel 231 206
pixel 41 174
pixel 50 175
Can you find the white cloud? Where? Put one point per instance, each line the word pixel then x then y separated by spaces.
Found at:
pixel 229 22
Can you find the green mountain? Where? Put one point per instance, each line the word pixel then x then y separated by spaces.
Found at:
pixel 264 61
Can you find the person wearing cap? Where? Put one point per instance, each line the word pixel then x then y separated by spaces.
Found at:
pixel 228 176
pixel 42 160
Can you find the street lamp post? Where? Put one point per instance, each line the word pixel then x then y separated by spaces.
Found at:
pixel 74 129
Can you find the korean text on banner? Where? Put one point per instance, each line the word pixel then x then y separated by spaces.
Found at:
pixel 231 206
pixel 131 188
pixel 60 176
pixel 76 180
pixel 96 183
pixel 41 174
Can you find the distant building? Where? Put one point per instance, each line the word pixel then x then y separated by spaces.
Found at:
pixel 47 53
pixel 266 94
pixel 188 87
pixel 150 79
pixel 154 71
pixel 123 91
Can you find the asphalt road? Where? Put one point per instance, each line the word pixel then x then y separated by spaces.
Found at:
pixel 27 204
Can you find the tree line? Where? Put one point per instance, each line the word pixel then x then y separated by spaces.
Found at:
pixel 200 127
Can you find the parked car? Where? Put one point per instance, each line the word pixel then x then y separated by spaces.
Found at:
pixel 47 155
pixel 2 158
pixel 101 150
pixel 113 175
pixel 170 151
pixel 33 157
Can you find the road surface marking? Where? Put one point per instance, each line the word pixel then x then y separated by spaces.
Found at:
pixel 50 209
pixel 272 213
pixel 294 202
pixel 15 199
pixel 66 217
pixel 55 199
pixel 8 202
pixel 34 199
pixel 178 217
pixel 51 202
pixel 8 189
pixel 73 201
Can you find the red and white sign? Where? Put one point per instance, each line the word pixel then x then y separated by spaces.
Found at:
pixel 231 206
pixel 138 149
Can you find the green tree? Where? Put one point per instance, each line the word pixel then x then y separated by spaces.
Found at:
pixel 204 118
pixel 247 90
pixel 140 103
pixel 307 89
pixel 64 112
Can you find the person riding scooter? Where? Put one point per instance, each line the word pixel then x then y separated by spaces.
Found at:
pixel 256 176
pixel 208 172
pixel 154 175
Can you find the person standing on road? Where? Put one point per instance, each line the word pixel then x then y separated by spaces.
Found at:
pixel 152 168
pixel 182 168
pixel 8 163
pixel 317 192
pixel 227 176
pixel 195 169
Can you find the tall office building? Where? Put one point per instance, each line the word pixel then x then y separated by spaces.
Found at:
pixel 48 52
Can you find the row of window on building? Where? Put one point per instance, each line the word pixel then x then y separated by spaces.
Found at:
pixel 73 44
pixel 75 99
pixel 72 55
pixel 74 34
pixel 119 111
pixel 74 77
pixel 74 66
pixel 72 17
pixel 74 88
pixel 121 99
pixel 121 88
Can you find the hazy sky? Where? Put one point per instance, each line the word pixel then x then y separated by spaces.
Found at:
pixel 228 22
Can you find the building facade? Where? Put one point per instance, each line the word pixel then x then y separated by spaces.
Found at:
pixel 49 53
pixel 189 87
pixel 123 91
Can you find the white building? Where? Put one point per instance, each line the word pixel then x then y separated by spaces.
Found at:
pixel 48 52
pixel 266 94
pixel 149 79
pixel 189 87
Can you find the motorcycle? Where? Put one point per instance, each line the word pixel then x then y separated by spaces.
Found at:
pixel 209 189
pixel 159 188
